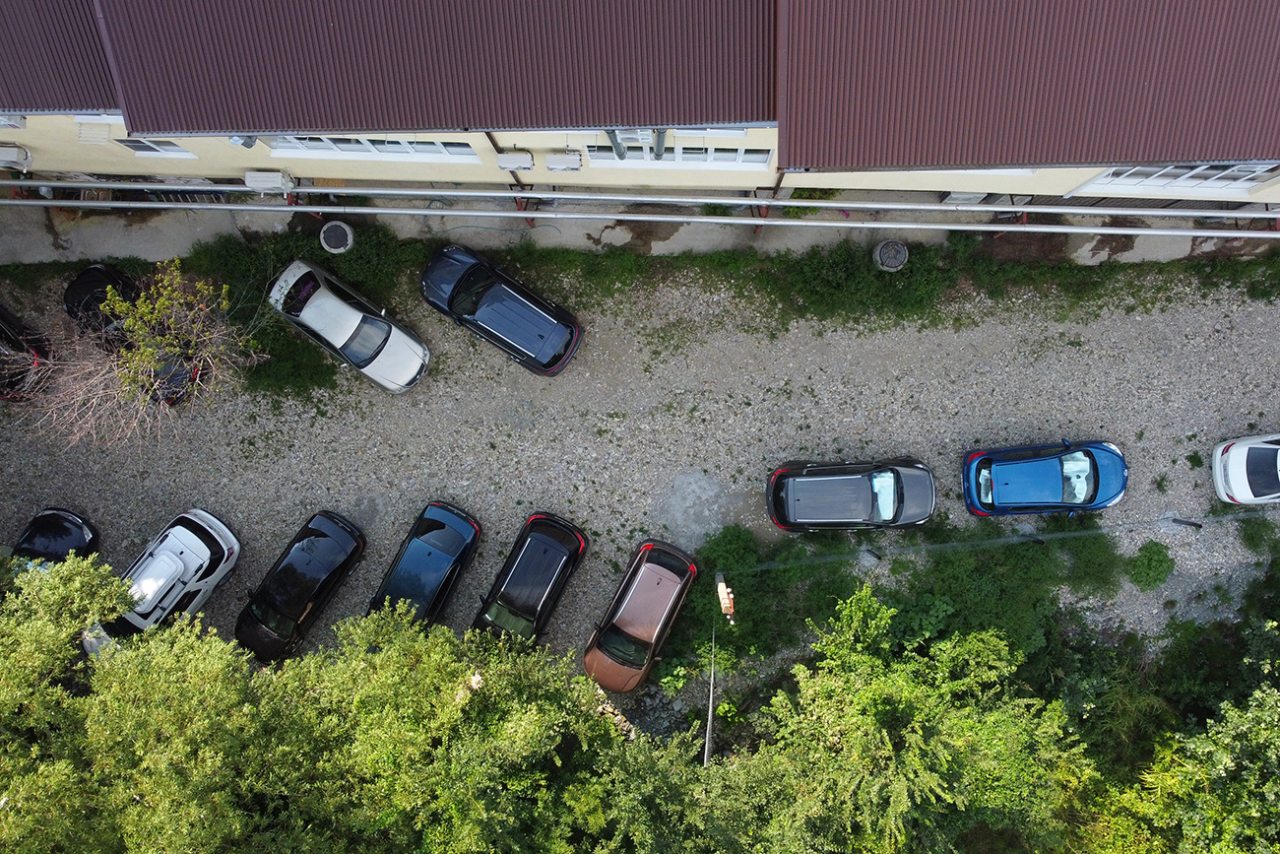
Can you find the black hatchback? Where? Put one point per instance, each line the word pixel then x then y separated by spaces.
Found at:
pixel 476 294
pixel 53 534
pixel 527 589
pixel 440 545
pixel 299 585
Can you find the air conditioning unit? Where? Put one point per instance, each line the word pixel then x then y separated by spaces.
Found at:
pixel 569 161
pixel 268 181
pixel 515 161
pixel 14 157
pixel 635 137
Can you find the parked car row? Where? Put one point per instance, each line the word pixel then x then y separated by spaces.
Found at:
pixel 457 282
pixel 179 570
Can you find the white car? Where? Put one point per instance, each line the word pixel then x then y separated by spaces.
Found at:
pixel 175 575
pixel 1247 471
pixel 349 326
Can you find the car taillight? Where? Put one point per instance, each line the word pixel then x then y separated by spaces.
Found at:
pixel 646 547
pixel 1232 498
pixel 1226 448
pixel 582 541
pixel 474 526
pixel 693 570
pixel 975 511
pixel 973 455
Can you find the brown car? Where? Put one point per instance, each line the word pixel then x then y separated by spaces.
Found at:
pixel 626 642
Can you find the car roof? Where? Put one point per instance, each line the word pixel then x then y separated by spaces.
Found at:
pixel 651 596
pixel 536 566
pixel 515 317
pixel 828 498
pixel 1035 481
pixel 330 317
pixel 313 555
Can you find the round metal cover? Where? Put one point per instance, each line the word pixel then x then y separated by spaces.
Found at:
pixel 337 237
pixel 890 255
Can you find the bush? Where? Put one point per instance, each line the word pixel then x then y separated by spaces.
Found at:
pixel 1151 566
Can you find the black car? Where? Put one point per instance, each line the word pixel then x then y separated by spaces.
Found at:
pixel 299 585
pixel 439 547
pixel 84 299
pixel 538 334
pixel 812 496
pixel 53 534
pixel 525 592
pixel 24 357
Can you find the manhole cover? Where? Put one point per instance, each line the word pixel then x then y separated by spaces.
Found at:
pixel 337 237
pixel 890 255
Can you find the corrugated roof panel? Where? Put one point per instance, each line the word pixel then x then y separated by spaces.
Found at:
pixel 865 84
pixel 263 66
pixel 53 60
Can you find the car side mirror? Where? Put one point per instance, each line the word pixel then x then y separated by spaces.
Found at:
pixel 383 312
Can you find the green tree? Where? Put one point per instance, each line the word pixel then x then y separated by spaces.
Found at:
pixel 882 750
pixel 47 800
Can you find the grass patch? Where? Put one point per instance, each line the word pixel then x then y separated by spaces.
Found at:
pixel 1258 535
pixel 1195 460
pixel 1151 566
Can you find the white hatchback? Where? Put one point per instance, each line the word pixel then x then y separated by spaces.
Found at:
pixel 1247 471
pixel 175 575
pixel 349 326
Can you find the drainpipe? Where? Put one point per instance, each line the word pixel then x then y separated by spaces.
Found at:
pixel 619 150
pixel 659 143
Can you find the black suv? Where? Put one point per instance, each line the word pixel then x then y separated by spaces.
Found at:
pixel 812 496
pixel 476 294
pixel 527 589
pixel 299 585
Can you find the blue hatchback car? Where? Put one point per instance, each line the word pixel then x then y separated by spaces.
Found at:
pixel 1062 478
pixel 439 547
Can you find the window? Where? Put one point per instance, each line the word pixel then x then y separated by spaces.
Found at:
pixel 1187 176
pixel 155 148
pixel 360 148
pixel 682 156
pixel 13 122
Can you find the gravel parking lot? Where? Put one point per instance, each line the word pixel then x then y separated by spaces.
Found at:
pixel 667 423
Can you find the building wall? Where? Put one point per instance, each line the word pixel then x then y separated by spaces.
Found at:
pixel 715 159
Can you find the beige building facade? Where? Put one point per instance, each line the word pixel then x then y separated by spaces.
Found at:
pixel 714 159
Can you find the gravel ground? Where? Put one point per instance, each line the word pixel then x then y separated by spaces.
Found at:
pixel 666 426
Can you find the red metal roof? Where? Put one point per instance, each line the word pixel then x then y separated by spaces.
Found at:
pixel 262 66
pixel 52 60
pixel 866 84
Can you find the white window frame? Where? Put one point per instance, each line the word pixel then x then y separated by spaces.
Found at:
pixel 718 133
pixel 155 148
pixel 682 157
pixel 1183 179
pixel 305 146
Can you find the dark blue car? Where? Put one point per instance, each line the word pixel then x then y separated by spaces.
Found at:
pixel 439 547
pixel 1062 478
pixel 538 334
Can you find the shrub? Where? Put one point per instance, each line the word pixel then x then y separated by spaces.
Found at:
pixel 1151 566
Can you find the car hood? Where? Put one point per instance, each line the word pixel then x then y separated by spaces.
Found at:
pixel 917 495
pixel 401 363
pixel 265 644
pixel 609 674
pixel 1113 475
pixel 443 274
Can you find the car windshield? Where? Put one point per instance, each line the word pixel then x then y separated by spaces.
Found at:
pixel 296 300
pixel 623 648
pixel 1262 469
pixel 504 618
pixel 466 299
pixel 121 627
pixel 1079 478
pixel 884 493
pixel 279 625
pixel 984 484
pixel 367 341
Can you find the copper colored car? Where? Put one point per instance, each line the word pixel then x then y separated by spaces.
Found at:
pixel 626 642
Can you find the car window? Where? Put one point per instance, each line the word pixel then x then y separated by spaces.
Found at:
pixel 623 648
pixel 296 300
pixel 504 618
pixel 884 496
pixel 1079 478
pixel 466 299
pixel 984 484
pixel 277 623
pixel 1262 470
pixel 367 341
